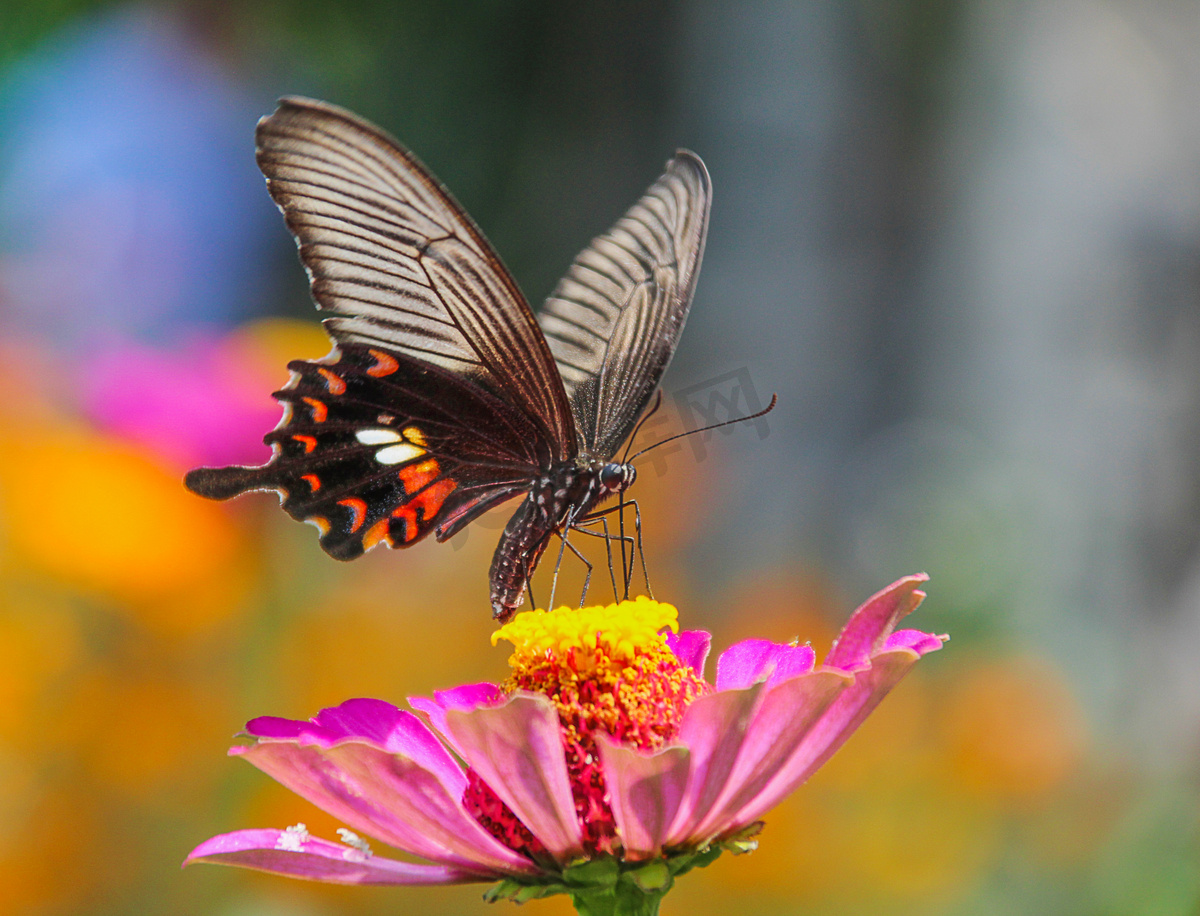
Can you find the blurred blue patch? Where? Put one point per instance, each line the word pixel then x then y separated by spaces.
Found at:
pixel 130 204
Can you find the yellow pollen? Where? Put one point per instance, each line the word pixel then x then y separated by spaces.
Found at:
pixel 618 633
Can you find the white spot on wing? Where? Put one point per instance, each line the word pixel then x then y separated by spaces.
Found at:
pixel 398 454
pixel 377 436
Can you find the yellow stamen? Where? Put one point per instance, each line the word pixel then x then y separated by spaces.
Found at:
pixel 619 632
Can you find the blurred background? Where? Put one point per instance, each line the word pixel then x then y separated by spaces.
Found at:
pixel 961 240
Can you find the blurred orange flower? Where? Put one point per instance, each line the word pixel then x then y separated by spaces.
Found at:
pixel 96 514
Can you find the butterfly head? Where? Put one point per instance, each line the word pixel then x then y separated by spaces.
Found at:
pixel 615 477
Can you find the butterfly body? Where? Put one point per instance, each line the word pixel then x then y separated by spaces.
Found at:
pixel 556 502
pixel 444 395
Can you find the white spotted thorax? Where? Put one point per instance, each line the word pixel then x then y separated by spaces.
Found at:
pixel 558 500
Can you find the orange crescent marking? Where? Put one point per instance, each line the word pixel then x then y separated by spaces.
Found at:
pixel 415 476
pixel 409 514
pixel 333 381
pixel 359 508
pixel 384 364
pixel 321 522
pixel 313 481
pixel 431 500
pixel 309 442
pixel 428 503
pixel 375 534
pixel 319 410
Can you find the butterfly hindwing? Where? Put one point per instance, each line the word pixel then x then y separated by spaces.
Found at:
pixel 378 448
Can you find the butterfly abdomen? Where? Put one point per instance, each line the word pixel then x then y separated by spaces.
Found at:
pixel 521 546
pixel 556 501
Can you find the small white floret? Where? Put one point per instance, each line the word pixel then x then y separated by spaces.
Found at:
pixel 360 848
pixel 292 839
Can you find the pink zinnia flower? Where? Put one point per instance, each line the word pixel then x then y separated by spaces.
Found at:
pixel 605 766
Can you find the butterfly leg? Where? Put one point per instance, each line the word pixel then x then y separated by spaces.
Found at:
pixel 587 581
pixel 529 590
pixel 530 564
pixel 641 552
pixel 557 566
pixel 627 572
pixel 608 538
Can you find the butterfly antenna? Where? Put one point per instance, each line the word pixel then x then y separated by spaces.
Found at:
pixel 703 429
pixel 646 416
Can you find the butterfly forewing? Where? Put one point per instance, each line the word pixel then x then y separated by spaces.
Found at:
pixel 398 262
pixel 615 318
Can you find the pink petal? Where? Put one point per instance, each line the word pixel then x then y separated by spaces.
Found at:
pixel 373 721
pixel 752 660
pixel 376 721
pixel 444 830
pixel 921 643
pixel 789 711
pixel 837 724
pixel 712 730
pixel 318 860
pixel 468 696
pixel 864 634
pixel 645 792
pixel 423 815
pixel 691 648
pixel 516 749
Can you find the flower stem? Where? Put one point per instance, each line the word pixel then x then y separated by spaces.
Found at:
pixel 624 900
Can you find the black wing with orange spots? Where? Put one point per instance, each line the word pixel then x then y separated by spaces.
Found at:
pixel 377 447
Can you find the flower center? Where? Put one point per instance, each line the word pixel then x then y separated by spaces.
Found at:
pixel 607 669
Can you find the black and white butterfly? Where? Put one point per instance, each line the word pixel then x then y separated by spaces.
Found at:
pixel 443 395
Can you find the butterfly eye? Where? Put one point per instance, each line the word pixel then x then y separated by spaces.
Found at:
pixel 616 476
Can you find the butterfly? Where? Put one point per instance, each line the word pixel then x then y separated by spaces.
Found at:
pixel 443 395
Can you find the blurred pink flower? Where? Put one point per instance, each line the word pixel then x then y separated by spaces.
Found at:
pixel 186 405
pixel 205 402
pixel 681 771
